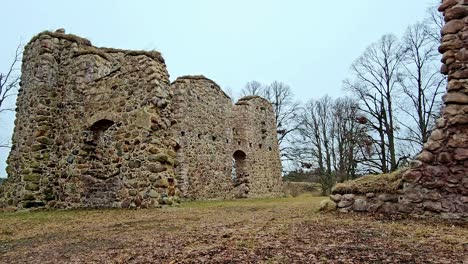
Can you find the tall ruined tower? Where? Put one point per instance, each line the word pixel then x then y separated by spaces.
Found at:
pixel 226 150
pixel 102 127
pixel 91 127
pixel 438 181
pixel 255 147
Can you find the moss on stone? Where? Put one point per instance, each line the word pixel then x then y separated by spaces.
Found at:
pixel 163 158
pixel 31 186
pixel 33 177
pixel 380 183
pixel 161 183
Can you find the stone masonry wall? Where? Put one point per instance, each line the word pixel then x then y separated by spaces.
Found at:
pixel 437 182
pixel 102 127
pixel 202 111
pixel 255 135
pixel 92 127
pixel 226 151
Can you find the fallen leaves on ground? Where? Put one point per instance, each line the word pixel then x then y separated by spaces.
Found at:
pixel 281 230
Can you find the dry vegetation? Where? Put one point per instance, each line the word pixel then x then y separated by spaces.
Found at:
pixel 282 230
pixel 380 183
pixel 298 188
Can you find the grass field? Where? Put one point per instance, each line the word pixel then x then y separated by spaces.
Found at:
pixel 280 230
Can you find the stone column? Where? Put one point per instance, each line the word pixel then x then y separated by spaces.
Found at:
pixel 438 180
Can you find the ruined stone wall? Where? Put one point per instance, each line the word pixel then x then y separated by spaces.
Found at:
pixel 101 127
pixel 255 135
pixel 92 127
pixel 203 129
pixel 438 181
pixel 226 150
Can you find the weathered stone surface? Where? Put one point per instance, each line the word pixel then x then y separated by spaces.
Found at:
pixel 360 205
pixel 335 197
pixel 447 4
pixel 345 203
pixel 461 154
pixel 100 127
pixel 455 13
pixel 452 27
pixel 348 197
pixel 457 98
pixel 412 176
pixel 226 150
pixel 432 206
pixel 413 195
pixel 425 156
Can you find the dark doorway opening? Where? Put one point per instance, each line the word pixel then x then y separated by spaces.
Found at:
pixel 238 165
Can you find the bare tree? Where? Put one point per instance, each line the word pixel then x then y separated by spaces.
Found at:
pixel 9 82
pixel 376 77
pixel 327 138
pixel 284 106
pixel 229 92
pixel 422 83
pixel 434 22
pixel 252 88
pixel 347 138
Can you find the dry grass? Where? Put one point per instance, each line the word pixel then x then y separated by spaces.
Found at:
pixel 380 183
pixel 298 188
pixel 273 230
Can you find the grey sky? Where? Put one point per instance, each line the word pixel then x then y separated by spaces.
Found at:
pixel 306 44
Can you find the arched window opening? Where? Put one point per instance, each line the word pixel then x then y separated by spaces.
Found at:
pixel 99 127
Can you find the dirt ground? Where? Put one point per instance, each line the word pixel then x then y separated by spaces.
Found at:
pixel 282 230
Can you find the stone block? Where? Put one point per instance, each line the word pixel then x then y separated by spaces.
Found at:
pixel 360 205
pixel 335 197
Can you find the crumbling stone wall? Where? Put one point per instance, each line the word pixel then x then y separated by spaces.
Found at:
pixel 226 150
pixel 437 182
pixel 92 127
pixel 254 133
pixel 101 127
pixel 202 111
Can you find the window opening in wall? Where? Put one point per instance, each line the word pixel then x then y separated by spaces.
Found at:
pixel 260 146
pixel 99 127
pixel 269 148
pixel 238 142
pixel 213 138
pixel 238 166
pixel 182 133
pixel 250 144
pixel 227 140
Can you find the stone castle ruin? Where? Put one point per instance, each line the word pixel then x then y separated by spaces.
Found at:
pixel 102 127
pixel 437 183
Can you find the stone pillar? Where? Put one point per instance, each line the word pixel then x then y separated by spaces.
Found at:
pixel 437 183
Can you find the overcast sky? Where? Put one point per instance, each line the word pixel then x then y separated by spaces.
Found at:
pixel 307 44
